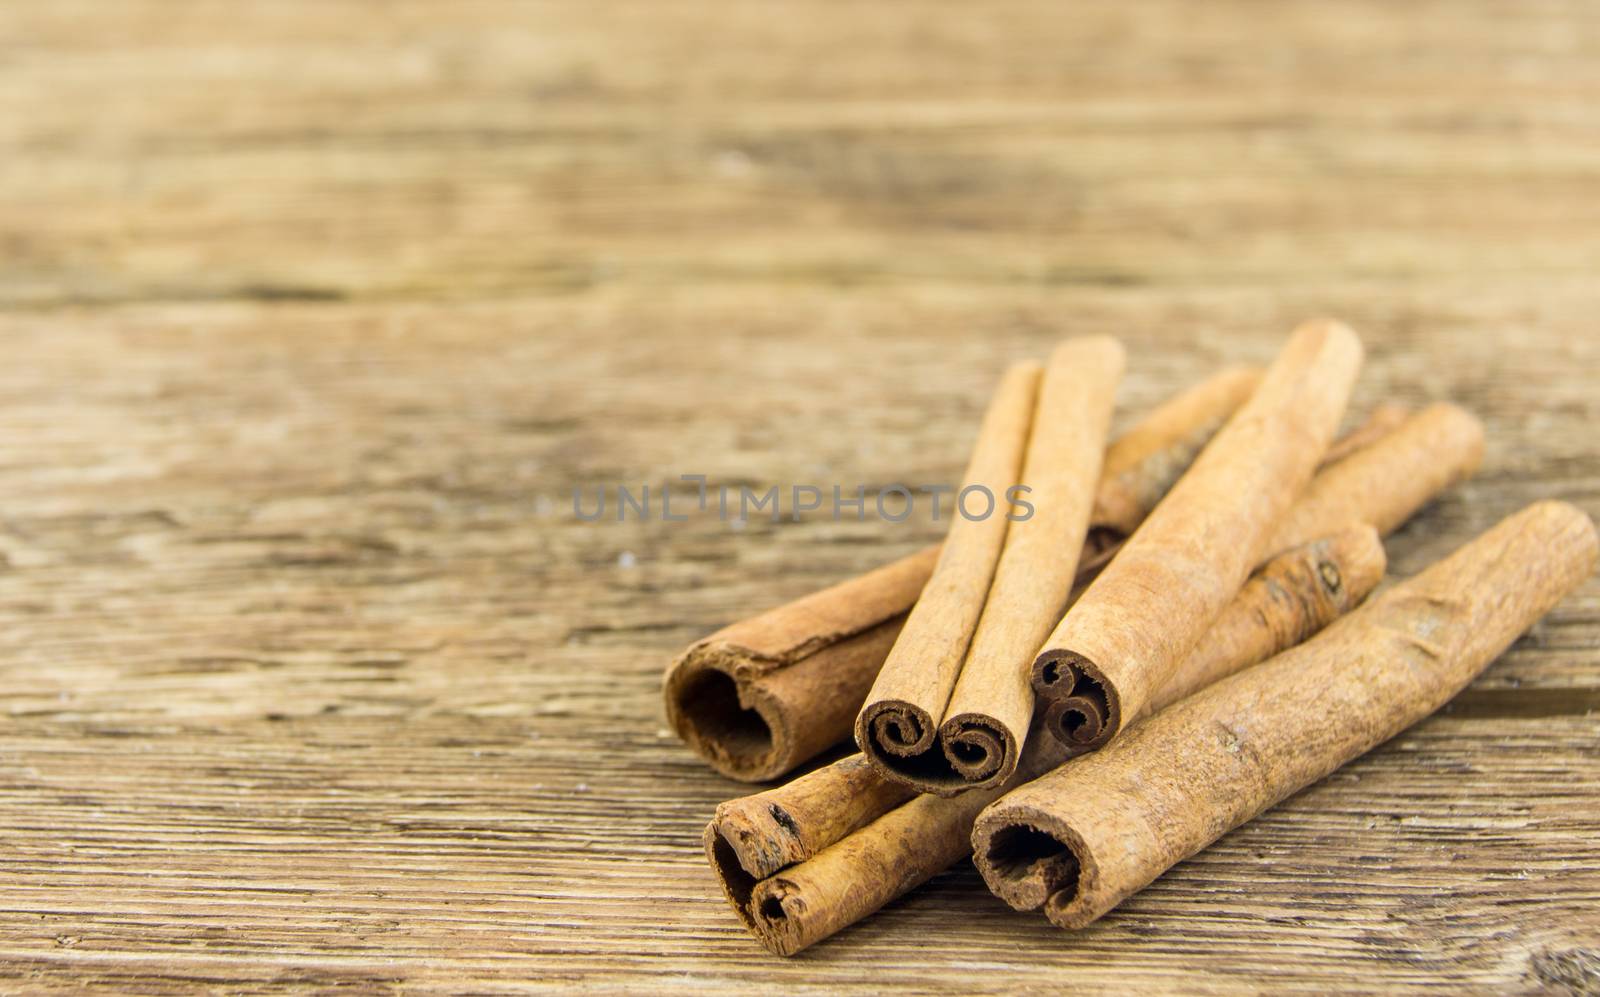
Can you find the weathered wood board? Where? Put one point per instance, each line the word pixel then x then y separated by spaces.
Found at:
pixel 316 314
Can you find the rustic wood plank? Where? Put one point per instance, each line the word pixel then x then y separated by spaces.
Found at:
pixel 311 678
pixel 302 691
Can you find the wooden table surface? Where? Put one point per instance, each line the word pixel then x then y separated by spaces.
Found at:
pixel 315 313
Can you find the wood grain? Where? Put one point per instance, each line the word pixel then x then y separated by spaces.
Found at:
pixel 315 317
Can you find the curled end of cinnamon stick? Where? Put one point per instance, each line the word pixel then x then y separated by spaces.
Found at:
pixel 967 752
pixel 1083 711
pixel 728 722
pixel 1077 721
pixel 1030 860
pixel 895 727
pixel 898 738
pixel 981 751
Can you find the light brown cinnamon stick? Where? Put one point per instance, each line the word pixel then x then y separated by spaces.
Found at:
pixel 1121 641
pixel 1221 757
pixel 1145 462
pixel 853 875
pixel 899 724
pixel 1288 599
pixel 1382 484
pixel 985 720
pixel 759 697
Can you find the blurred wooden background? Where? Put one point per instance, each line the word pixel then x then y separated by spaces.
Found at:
pixel 316 312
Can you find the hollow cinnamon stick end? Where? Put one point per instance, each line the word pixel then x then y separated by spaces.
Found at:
pixel 781 921
pixel 1029 858
pixel 725 718
pixel 1077 722
pixel 737 884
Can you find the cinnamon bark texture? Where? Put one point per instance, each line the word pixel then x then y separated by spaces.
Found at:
pixel 1106 825
pixel 986 720
pixel 898 726
pixel 1121 641
pixel 1390 479
pixel 847 880
pixel 759 697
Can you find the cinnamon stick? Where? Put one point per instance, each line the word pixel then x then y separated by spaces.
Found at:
pixel 1109 823
pixel 897 727
pixel 985 721
pixel 1382 484
pixel 851 876
pixel 768 831
pixel 1121 641
pixel 1287 600
pixel 763 695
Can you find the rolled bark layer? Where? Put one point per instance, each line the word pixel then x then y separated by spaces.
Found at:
pixel 985 723
pixel 856 873
pixel 763 695
pixel 898 726
pixel 1122 639
pixel 1108 824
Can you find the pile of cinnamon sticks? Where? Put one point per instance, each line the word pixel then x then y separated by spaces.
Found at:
pixel 1177 637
